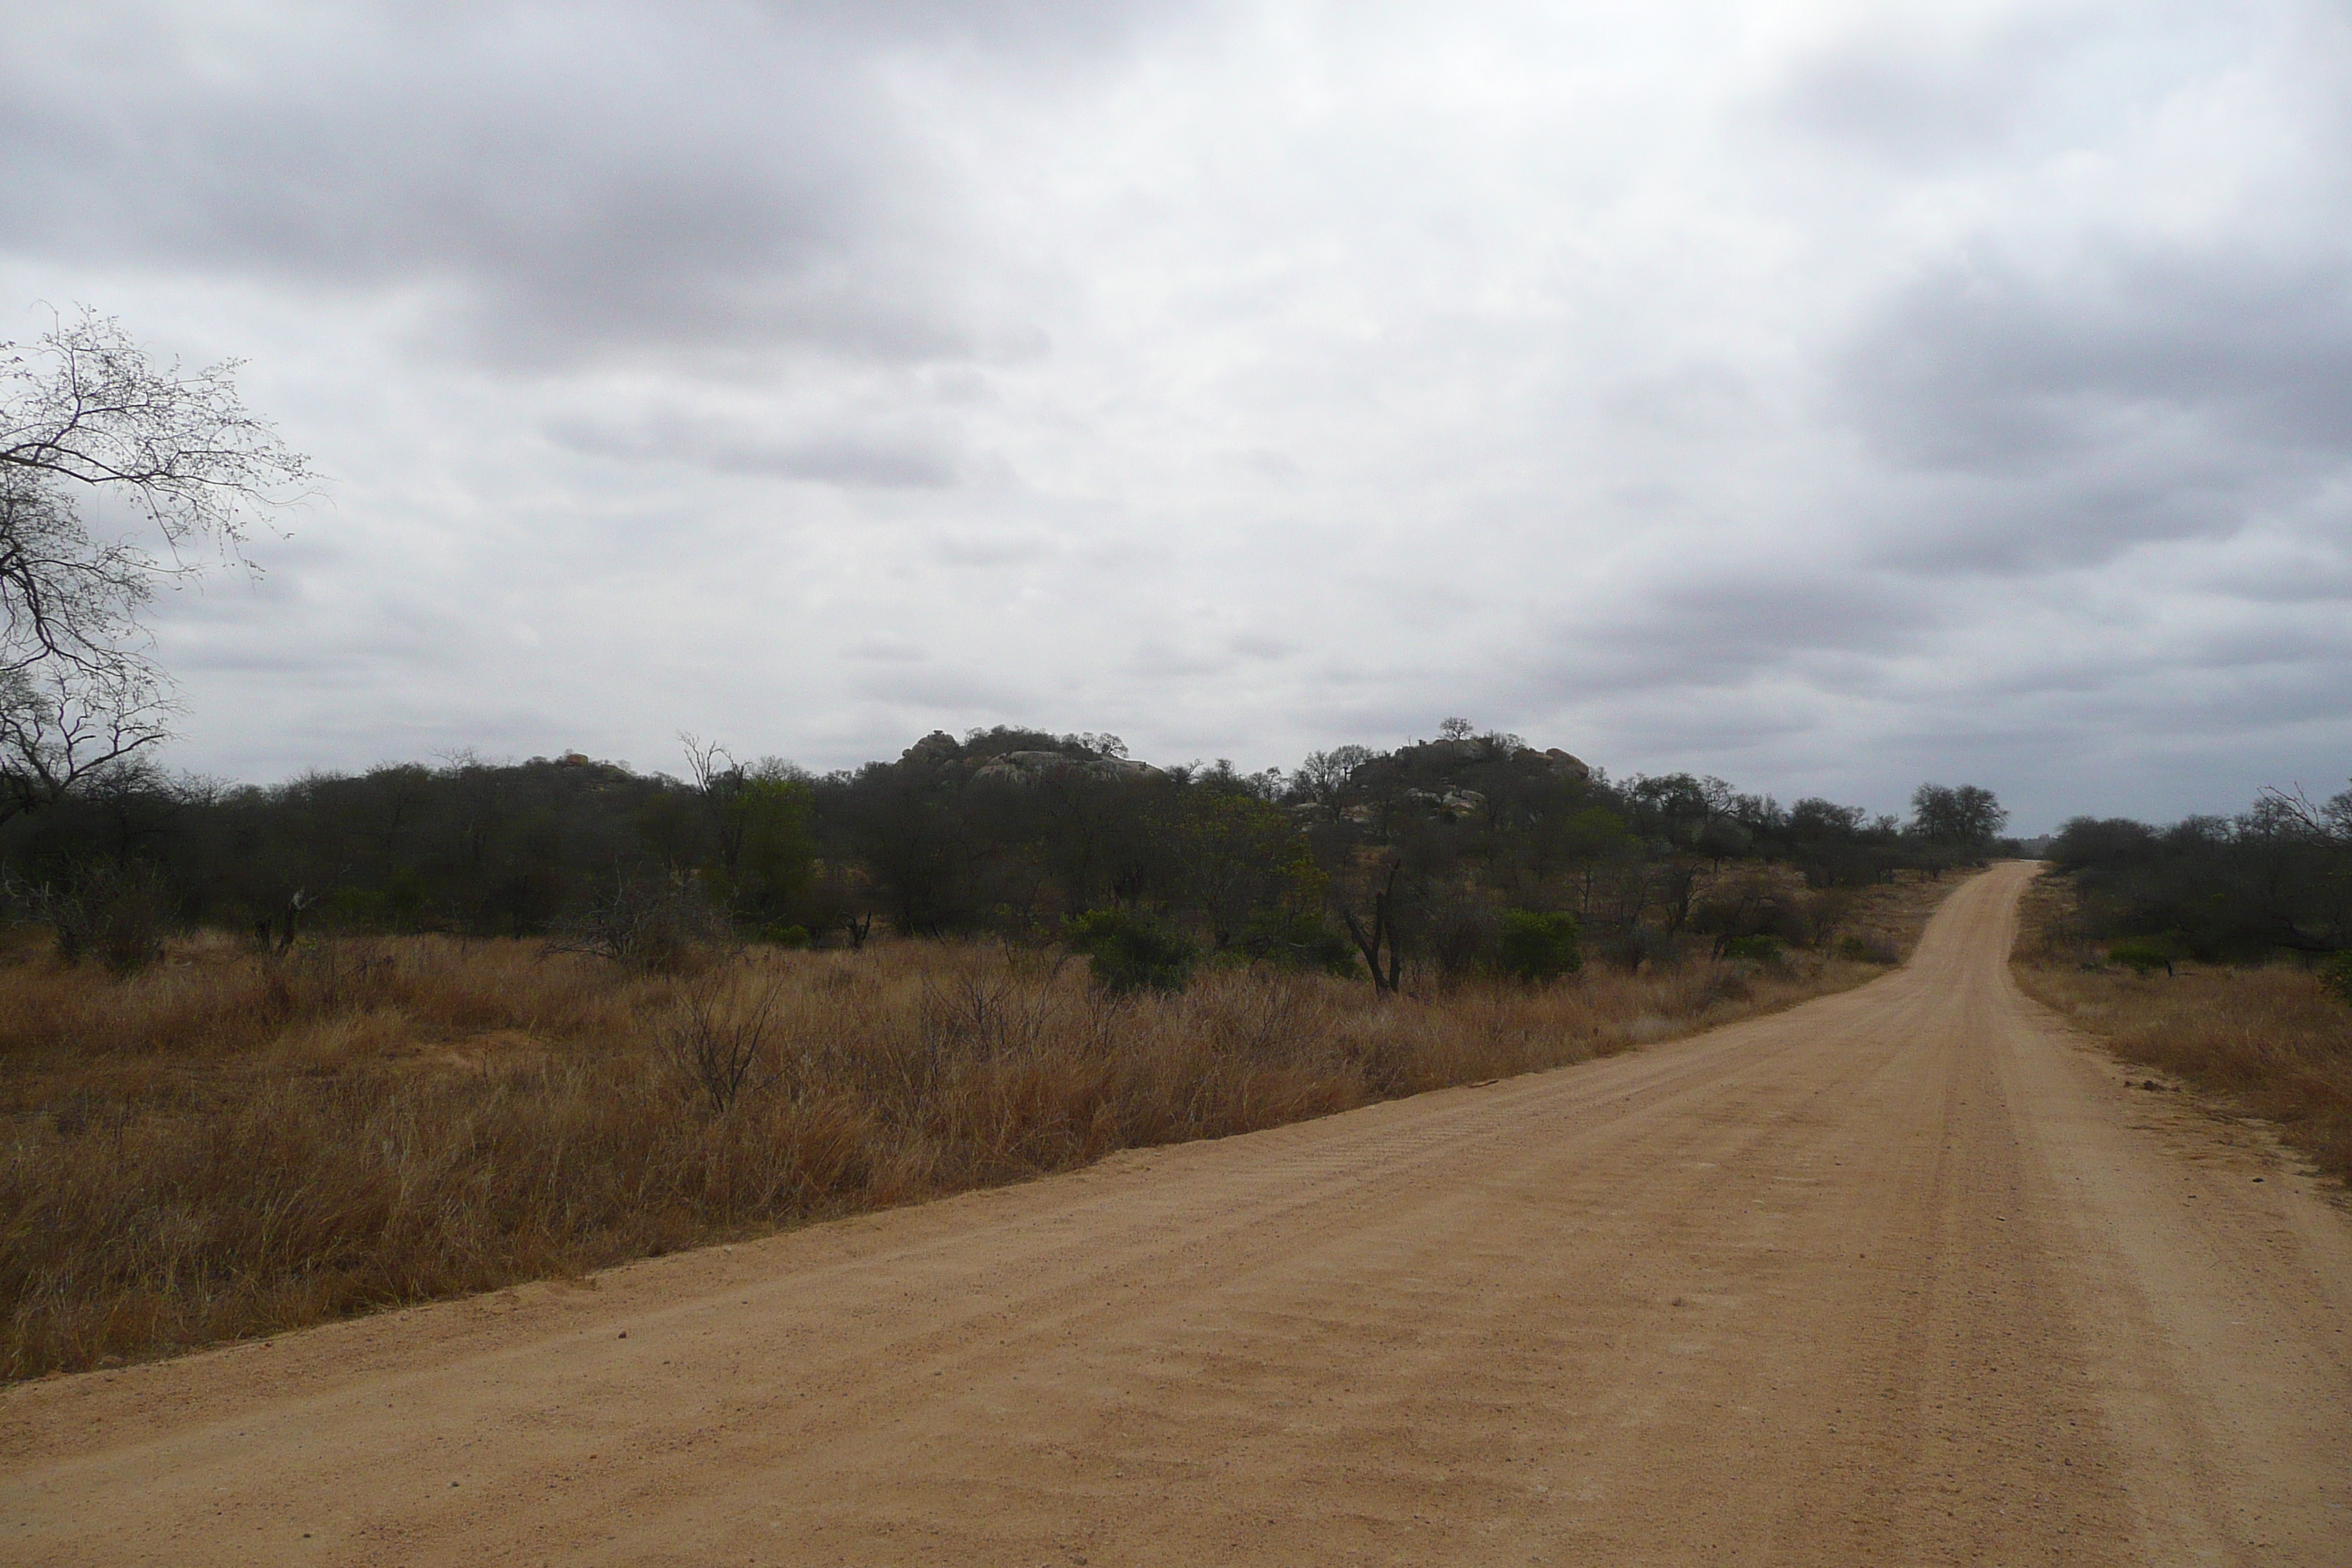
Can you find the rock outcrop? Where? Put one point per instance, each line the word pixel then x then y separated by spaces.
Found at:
pixel 933 748
pixel 1566 765
pixel 1029 767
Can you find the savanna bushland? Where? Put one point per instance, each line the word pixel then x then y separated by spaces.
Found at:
pixel 2214 950
pixel 271 1055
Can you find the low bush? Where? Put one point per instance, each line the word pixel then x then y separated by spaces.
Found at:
pixel 2336 975
pixel 1131 951
pixel 2141 957
pixel 1867 950
pixel 1302 942
pixel 1536 946
pixel 659 923
pixel 1753 950
pixel 115 912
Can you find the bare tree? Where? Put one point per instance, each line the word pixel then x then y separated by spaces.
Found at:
pixel 83 406
pixel 1376 936
pixel 1324 777
pixel 2330 823
pixel 62 725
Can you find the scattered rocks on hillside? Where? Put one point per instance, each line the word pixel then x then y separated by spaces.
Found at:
pixel 1029 767
pixel 1449 802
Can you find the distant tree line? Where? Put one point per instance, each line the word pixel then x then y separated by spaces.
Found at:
pixel 1466 852
pixel 2275 877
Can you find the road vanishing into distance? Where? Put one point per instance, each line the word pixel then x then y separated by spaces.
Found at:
pixel 1903 1276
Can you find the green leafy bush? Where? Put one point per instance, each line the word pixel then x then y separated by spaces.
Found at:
pixel 1131 951
pixel 1865 950
pixel 1536 946
pixel 1297 942
pixel 2336 975
pixel 2141 957
pixel 784 936
pixel 1753 948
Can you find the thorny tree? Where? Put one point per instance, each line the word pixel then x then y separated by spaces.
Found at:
pixel 81 407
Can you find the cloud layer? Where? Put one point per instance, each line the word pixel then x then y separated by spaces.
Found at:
pixel 1812 393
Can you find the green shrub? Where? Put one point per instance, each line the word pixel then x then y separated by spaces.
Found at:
pixel 2141 957
pixel 1753 948
pixel 2336 975
pixel 1297 942
pixel 1131 951
pixel 785 935
pixel 1865 950
pixel 1536 946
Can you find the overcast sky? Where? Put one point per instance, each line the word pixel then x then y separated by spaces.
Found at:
pixel 1828 396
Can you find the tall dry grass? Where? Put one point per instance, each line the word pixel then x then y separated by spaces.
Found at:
pixel 2270 1038
pixel 229 1144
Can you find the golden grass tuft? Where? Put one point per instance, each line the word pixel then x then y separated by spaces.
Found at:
pixel 2269 1039
pixel 228 1145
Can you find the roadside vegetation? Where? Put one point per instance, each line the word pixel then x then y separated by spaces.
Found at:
pixel 1424 857
pixel 272 1055
pixel 2214 951
pixel 233 1140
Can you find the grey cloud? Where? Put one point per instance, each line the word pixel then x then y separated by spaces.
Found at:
pixel 2291 575
pixel 1979 365
pixel 963 549
pixel 1277 465
pixel 940 690
pixel 1024 32
pixel 1157 660
pixel 1930 89
pixel 1979 402
pixel 2018 526
pixel 885 650
pixel 1696 399
pixel 1887 95
pixel 2133 397
pixel 1730 625
pixel 846 461
pixel 909 456
pixel 579 181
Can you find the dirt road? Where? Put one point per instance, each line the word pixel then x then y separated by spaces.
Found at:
pixel 1901 1276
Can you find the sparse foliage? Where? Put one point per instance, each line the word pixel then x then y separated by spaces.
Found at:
pixel 717 1031
pixel 83 407
pixel 651 921
pixel 114 911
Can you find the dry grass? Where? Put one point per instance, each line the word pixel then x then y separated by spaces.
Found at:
pixel 2268 1038
pixel 229 1146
